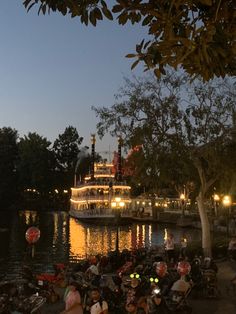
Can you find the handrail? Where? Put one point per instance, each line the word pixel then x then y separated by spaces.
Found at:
pixel 100 197
pixel 106 183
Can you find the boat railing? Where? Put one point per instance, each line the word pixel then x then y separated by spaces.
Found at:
pixel 99 213
pixel 100 182
pixel 105 198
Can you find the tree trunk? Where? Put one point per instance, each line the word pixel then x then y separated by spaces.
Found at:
pixel 206 231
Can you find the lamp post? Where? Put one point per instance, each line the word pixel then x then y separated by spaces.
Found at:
pixel 227 203
pixel 182 199
pixel 216 199
pixel 117 205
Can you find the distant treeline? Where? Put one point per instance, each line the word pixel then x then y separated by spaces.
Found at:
pixel 36 172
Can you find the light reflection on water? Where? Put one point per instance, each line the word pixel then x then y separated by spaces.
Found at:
pixel 65 239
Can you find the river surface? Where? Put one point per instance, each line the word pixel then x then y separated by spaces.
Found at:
pixel 65 239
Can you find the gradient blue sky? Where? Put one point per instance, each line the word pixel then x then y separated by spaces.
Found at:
pixel 53 69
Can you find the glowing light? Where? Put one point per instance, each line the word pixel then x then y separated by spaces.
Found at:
pixel 122 187
pixel 100 176
pixel 100 165
pixel 113 204
pixel 216 197
pixel 182 196
pixel 117 199
pixel 165 234
pixel 227 200
pixel 94 201
pixel 143 203
pixel 56 191
pixel 122 204
pixel 137 202
pixel 65 191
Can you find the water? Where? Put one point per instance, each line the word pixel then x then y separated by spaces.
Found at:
pixel 65 239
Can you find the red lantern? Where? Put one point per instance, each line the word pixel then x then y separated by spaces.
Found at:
pixel 183 268
pixel 161 269
pixel 32 235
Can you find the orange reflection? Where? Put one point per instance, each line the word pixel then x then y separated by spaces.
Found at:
pixel 55 233
pixel 30 217
pixel 77 240
pixel 86 241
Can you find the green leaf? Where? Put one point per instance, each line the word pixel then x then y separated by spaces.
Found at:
pixel 157 73
pixel 134 64
pixel 98 14
pixel 107 13
pixel 92 18
pixel 117 8
pixel 147 20
pixel 123 18
pixel 130 55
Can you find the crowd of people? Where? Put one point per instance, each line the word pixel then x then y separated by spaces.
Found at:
pixel 142 281
pixel 138 282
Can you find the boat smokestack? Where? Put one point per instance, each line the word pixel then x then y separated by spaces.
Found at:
pixel 119 168
pixel 93 141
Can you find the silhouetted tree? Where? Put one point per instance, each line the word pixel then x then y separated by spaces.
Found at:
pixel 36 164
pixel 66 148
pixel 8 158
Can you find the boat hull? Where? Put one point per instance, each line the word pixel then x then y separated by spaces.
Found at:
pixel 107 219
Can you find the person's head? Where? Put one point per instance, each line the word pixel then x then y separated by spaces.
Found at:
pixel 135 280
pixel 73 286
pixel 95 294
pixel 161 269
pixel 131 307
pixel 153 282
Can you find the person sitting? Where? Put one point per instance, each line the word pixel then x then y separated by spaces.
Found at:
pixel 164 280
pixel 132 308
pixel 179 289
pixel 93 274
pixel 155 300
pixel 72 300
pixel 99 306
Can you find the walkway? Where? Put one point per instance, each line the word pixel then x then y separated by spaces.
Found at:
pixel 227 303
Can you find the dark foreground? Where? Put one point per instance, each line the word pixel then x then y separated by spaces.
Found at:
pixel 226 304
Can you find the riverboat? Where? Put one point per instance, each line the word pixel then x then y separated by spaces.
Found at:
pixel 102 196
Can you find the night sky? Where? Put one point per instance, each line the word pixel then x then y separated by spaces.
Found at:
pixel 53 69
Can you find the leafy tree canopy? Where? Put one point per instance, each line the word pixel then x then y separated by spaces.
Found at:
pixel 198 35
pixel 36 162
pixel 66 148
pixel 147 114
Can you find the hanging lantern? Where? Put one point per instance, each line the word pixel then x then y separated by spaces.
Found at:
pixel 32 235
pixel 183 268
pixel 161 269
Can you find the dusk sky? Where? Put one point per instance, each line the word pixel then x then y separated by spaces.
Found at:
pixel 53 69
